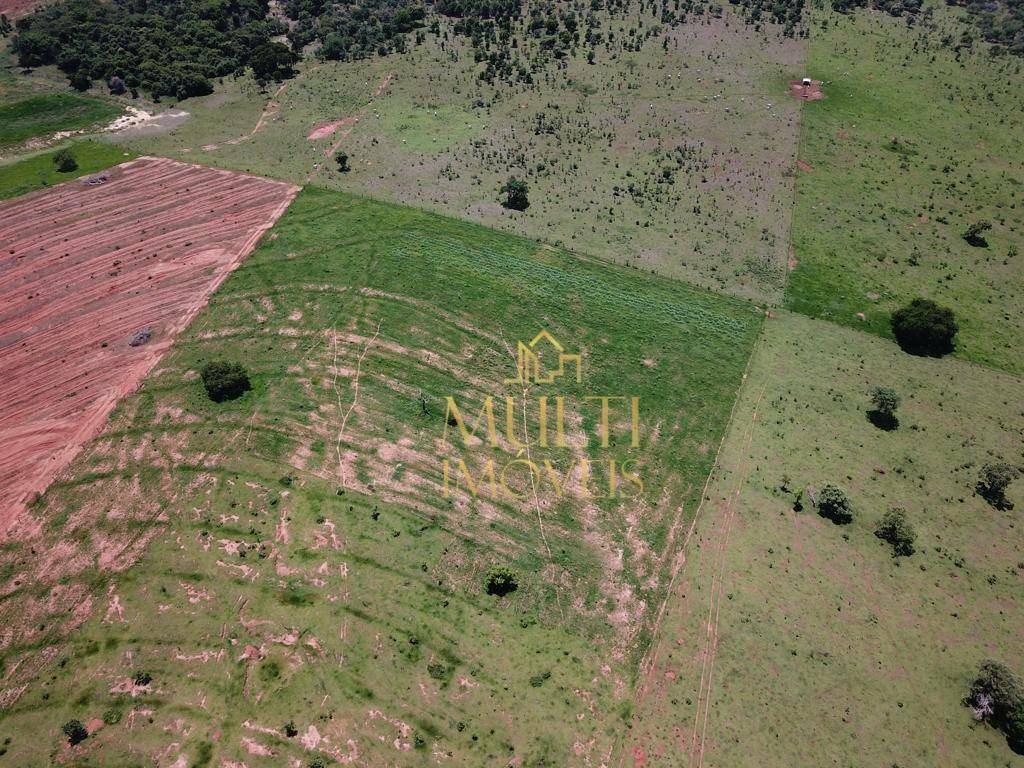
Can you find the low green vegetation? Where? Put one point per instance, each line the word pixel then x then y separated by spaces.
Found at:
pixel 41 170
pixel 49 113
pixel 301 555
pixel 916 144
pixel 853 639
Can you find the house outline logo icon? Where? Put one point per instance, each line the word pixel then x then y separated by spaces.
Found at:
pixel 528 362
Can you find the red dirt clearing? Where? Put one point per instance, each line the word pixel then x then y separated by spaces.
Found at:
pixel 810 92
pixel 82 270
pixel 14 9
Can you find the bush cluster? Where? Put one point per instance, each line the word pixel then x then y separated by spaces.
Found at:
pixel 834 505
pixel 997 697
pixel 895 529
pixel 225 381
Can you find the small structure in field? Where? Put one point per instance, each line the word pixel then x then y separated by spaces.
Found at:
pixel 806 89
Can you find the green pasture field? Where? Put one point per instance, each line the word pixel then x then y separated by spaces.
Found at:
pixel 49 113
pixel 914 143
pixel 824 649
pixel 293 557
pixel 37 171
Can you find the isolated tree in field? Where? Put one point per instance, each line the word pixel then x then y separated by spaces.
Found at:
pixel 225 381
pixel 342 160
pixel 65 161
pixel 993 480
pixel 516 194
pixel 975 234
pixel 885 402
pixel 833 505
pixel 924 328
pixel 75 732
pixel 997 697
pixel 897 530
pixel 501 581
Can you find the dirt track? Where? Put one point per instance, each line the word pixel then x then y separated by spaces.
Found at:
pixel 82 269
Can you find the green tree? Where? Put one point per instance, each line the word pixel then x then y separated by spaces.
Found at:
pixel 80 81
pixel 975 234
pixel 65 161
pixel 993 480
pixel 75 732
pixel 924 328
pixel 996 696
pixel 834 505
pixel 5 25
pixel 895 529
pixel 516 194
pixel 501 581
pixel 272 61
pixel 342 160
pixel 225 381
pixel 885 402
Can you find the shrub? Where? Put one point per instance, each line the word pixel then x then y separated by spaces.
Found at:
pixel 501 581
pixel 290 730
pixel 993 481
pixel 75 732
pixel 224 381
pixel 883 415
pixel 342 160
pixel 516 194
pixel 897 530
pixel 143 678
pixel 924 328
pixel 997 697
pixel 833 505
pixel 975 234
pixel 65 161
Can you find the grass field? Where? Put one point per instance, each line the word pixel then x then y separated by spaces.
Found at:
pixel 49 113
pixel 302 562
pixel 676 158
pixel 913 144
pixel 813 645
pixel 31 173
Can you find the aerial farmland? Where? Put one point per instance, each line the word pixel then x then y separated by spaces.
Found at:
pixel 511 384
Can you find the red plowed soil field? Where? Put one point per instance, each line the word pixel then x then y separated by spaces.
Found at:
pixel 83 270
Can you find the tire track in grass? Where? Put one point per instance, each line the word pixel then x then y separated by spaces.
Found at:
pixel 715 598
pixel 649 663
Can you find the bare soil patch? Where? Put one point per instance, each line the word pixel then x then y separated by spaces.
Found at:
pixel 810 92
pixel 85 268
